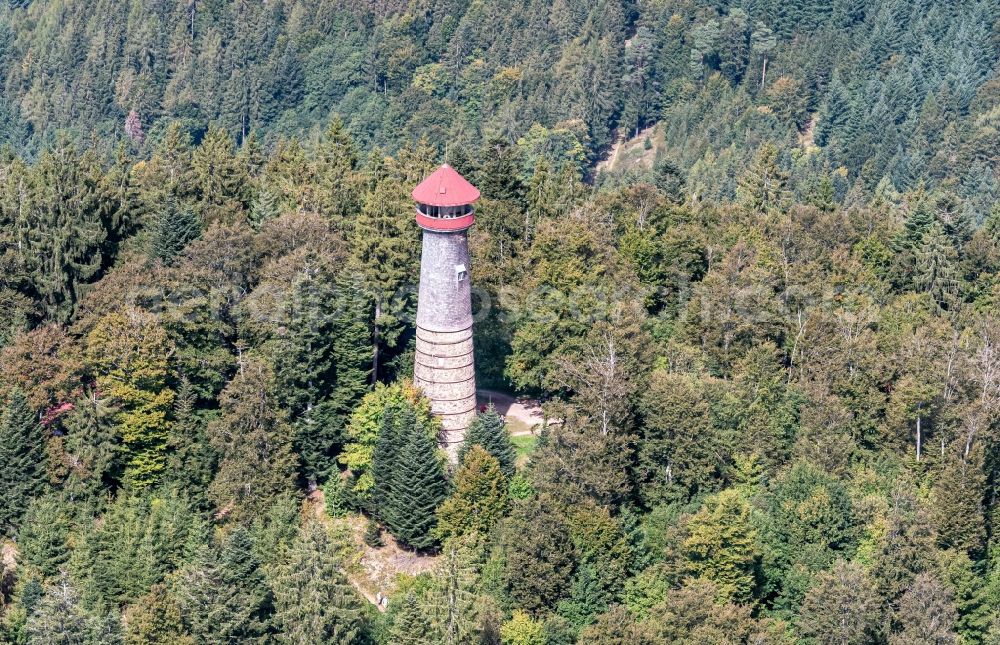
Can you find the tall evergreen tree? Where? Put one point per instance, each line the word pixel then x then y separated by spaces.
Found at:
pixel 489 431
pixel 22 460
pixel 257 464
pixel 418 485
pixel 172 228
pixel 480 498
pixel 313 601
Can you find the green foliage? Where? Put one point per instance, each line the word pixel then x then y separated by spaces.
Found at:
pixel 256 463
pixel 763 322
pixel 488 431
pixel 409 479
pixel 539 562
pixel 136 543
pixel 480 497
pixel 722 546
pixel 125 350
pixel 363 428
pixel 22 456
pixel 521 629
pixel 314 602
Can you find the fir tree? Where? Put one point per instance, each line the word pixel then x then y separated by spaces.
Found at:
pixel 418 485
pixel 935 266
pixel 223 596
pixel 43 541
pixel 191 459
pixel 257 464
pixel 410 625
pixel 385 461
pixel 314 602
pixel 172 229
pixel 22 460
pixel 489 431
pixel 92 444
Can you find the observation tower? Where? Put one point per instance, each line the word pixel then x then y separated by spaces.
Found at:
pixel 443 366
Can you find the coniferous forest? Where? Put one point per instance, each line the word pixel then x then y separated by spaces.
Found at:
pixel 746 254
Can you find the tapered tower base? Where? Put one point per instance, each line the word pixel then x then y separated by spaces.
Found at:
pixel 444 369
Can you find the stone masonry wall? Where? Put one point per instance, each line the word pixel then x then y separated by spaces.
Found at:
pixel 443 365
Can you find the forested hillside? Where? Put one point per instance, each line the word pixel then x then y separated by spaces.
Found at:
pixel 769 358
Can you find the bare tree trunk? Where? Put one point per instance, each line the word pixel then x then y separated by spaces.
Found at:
pixel 763 72
pixel 919 437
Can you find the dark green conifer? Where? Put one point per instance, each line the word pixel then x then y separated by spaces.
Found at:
pixel 172 228
pixel 418 485
pixel 22 460
pixel 313 601
pixel 489 431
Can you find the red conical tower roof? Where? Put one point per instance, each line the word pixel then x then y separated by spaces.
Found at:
pixel 445 187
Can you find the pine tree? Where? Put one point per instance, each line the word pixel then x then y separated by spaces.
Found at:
pixel 451 601
pixel 222 181
pixel 313 601
pixel 418 485
pixel 480 498
pixel 762 186
pixel 22 460
pixel 489 431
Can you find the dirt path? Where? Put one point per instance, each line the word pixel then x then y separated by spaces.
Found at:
pixel 523 415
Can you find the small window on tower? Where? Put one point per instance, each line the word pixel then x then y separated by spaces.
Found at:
pixel 461 273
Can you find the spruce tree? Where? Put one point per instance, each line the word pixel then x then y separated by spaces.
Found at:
pixel 489 431
pixel 935 267
pixel 92 445
pixel 43 540
pixel 313 601
pixel 22 460
pixel 418 485
pixel 384 461
pixel 172 229
pixel 192 458
pixel 257 464
pixel 223 595
pixel 410 625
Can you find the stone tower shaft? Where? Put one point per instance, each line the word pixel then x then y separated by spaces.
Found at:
pixel 443 366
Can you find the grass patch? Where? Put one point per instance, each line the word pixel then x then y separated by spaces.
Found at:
pixel 524 445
